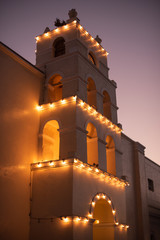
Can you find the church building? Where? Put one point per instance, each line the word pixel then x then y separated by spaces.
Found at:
pixel 67 169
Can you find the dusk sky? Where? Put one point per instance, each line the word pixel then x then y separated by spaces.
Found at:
pixel 130 32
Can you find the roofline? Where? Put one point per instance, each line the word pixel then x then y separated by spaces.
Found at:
pixel 14 54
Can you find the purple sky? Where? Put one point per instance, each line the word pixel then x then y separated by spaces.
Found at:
pixel 130 32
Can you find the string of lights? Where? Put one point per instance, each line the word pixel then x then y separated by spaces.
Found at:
pixel 84 106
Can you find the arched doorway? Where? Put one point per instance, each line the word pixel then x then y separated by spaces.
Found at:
pixel 105 228
pixel 51 141
pixel 55 88
pixel 91 93
pixel 107 105
pixel 92 145
pixel 110 155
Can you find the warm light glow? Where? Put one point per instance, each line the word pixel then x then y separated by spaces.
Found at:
pixel 63 162
pixel 113 211
pixel 74 98
pixel 56 30
pixel 39 108
pixel 86 33
pixel 97 170
pixel 75 160
pixel 75 21
pixel 77 219
pixel 65 219
pixel 39 165
pixel 51 163
pixel 98 196
pixel 93 204
pixel 63 101
pixel 46 34
pixel 126 226
pixel 117 223
pixel 103 196
pixel 109 201
pixel 82 103
pixel 85 220
pixel 97 221
pixel 90 215
pixel 80 27
pixel 66 26
pixel 37 38
pixel 92 38
pixel 51 105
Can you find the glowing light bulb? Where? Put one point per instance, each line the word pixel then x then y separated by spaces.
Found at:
pixel 80 27
pixel 63 162
pixel 117 223
pixel 86 33
pixel 97 221
pixel 109 201
pixel 122 226
pixel 85 220
pixel 77 219
pixel 39 108
pixel 57 30
pixel 51 105
pixel 74 98
pixel 97 170
pixel 90 215
pixel 51 163
pixel 46 34
pixel 93 204
pixel 65 219
pixel 63 101
pixel 75 161
pixel 103 196
pixel 113 211
pixel 92 38
pixel 39 165
pixel 98 196
pixel 65 27
pixel 75 21
pixel 126 226
pixel 37 38
pixel 82 103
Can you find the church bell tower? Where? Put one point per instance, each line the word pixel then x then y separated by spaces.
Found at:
pixel 77 189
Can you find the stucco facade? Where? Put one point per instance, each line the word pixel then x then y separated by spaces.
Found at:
pixel 67 170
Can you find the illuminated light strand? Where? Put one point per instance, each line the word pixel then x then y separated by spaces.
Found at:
pixel 76 219
pixel 100 117
pixel 91 110
pixel 92 39
pixel 107 177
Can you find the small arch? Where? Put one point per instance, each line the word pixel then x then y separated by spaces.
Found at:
pixel 103 212
pixel 92 145
pixel 110 155
pixel 55 88
pixel 51 141
pixel 107 105
pixel 59 47
pixel 91 57
pixel 91 93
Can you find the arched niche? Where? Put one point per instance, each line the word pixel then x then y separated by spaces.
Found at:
pixel 51 141
pixel 107 105
pixel 92 144
pixel 110 155
pixel 59 47
pixel 103 213
pixel 55 88
pixel 91 93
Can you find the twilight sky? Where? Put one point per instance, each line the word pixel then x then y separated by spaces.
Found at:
pixel 130 32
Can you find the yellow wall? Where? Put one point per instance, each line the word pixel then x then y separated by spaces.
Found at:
pixel 19 122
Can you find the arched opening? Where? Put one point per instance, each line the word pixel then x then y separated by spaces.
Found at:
pixel 105 228
pixel 92 145
pixel 110 155
pixel 107 105
pixel 91 93
pixel 51 141
pixel 55 88
pixel 91 58
pixel 59 47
